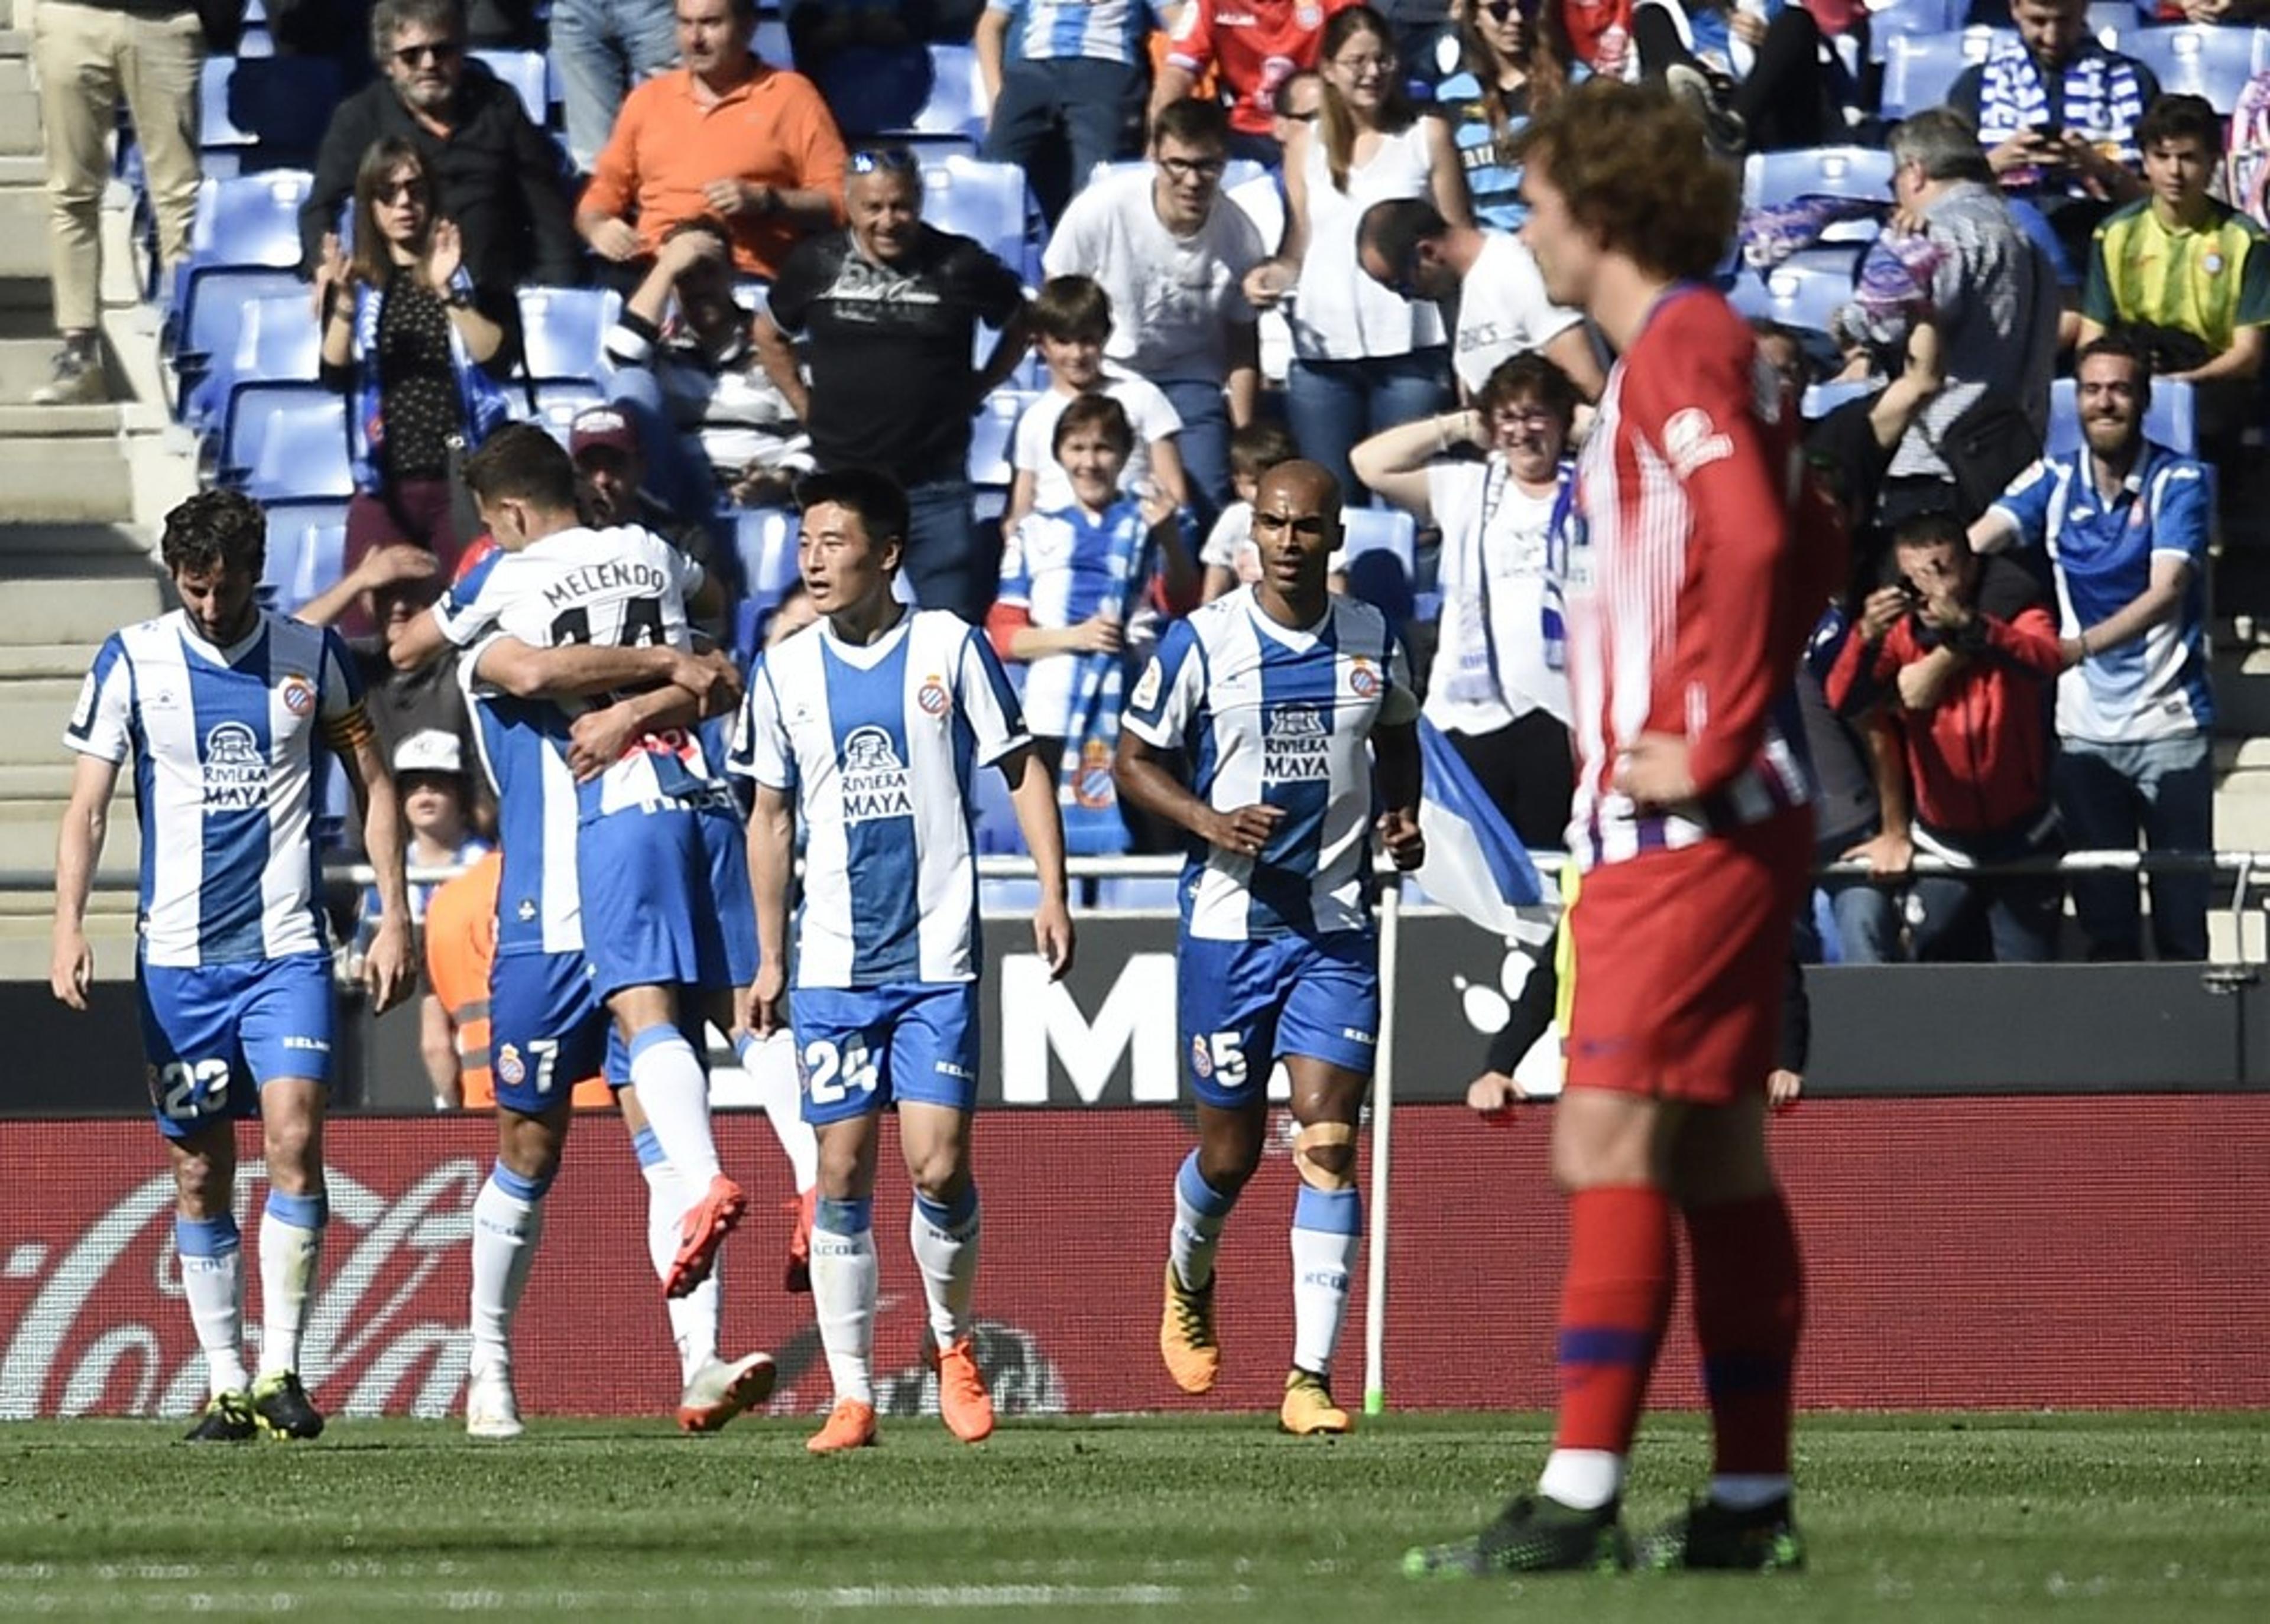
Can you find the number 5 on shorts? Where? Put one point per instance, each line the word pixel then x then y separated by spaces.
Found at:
pixel 1221 1055
pixel 832 1070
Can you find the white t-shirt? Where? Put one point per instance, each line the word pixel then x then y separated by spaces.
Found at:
pixel 1467 696
pixel 1032 449
pixel 1174 299
pixel 1504 310
pixel 1339 313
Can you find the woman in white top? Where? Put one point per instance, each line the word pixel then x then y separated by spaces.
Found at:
pixel 1499 689
pixel 1363 357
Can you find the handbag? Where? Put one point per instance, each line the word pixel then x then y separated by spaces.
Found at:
pixel 1991 443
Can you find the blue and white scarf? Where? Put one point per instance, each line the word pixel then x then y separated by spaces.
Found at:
pixel 2100 94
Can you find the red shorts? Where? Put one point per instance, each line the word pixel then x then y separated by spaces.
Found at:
pixel 1679 962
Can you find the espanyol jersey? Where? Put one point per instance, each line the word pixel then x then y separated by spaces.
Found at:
pixel 1104 30
pixel 1265 714
pixel 881 743
pixel 1062 568
pixel 524 747
pixel 223 742
pixel 625 586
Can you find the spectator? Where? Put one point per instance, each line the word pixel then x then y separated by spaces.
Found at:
pixel 1752 71
pixel 2125 524
pixel 1298 101
pixel 2057 112
pixel 727 135
pixel 492 172
pixel 1230 556
pixel 1600 35
pixel 715 422
pixel 1066 80
pixel 1362 357
pixel 436 789
pixel 1072 321
pixel 1976 738
pixel 1954 257
pixel 1490 278
pixel 1255 46
pixel 88 53
pixel 2185 275
pixel 611 470
pixel 1172 253
pixel 889 310
pixel 403 338
pixel 1515 57
pixel 604 48
pixel 1500 688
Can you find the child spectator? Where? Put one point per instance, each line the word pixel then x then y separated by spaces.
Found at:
pixel 1071 320
pixel 1229 556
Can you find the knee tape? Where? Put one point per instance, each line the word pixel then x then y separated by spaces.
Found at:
pixel 1319 1136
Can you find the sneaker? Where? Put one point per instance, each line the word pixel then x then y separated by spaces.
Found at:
pixel 491 1410
pixel 702 1232
pixel 74 379
pixel 226 1419
pixel 963 1404
pixel 1763 1539
pixel 796 1277
pixel 1532 1535
pixel 279 1403
pixel 850 1426
pixel 1186 1338
pixel 1308 1409
pixel 722 1388
pixel 1706 96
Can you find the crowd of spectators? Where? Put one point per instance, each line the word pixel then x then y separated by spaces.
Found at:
pixel 2018 669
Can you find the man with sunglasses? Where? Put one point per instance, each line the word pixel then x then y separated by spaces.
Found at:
pixel 495 173
pixel 1172 253
pixel 888 309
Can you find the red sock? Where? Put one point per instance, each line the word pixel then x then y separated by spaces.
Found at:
pixel 1749 1302
pixel 1614 1301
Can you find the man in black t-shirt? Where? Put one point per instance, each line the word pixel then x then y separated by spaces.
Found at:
pixel 888 309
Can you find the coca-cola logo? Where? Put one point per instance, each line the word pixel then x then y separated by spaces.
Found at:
pixel 104 1331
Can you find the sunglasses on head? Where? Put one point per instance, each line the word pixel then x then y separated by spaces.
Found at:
pixel 437 52
pixel 894 160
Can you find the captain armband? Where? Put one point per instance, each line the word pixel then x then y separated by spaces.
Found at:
pixel 351 730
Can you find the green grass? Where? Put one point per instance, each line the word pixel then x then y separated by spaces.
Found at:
pixel 2130 1517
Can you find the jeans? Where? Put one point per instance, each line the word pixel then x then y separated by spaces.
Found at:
pixel 1203 443
pixel 1330 406
pixel 1866 916
pixel 952 562
pixel 2162 788
pixel 1058 117
pixel 2021 911
pixel 604 48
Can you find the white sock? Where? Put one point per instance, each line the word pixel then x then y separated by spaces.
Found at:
pixel 290 1247
pixel 1747 1491
pixel 1200 1211
pixel 507 1222
pixel 693 1317
pixel 1327 1234
pixel 843 1281
pixel 213 1279
pixel 770 1065
pixel 674 1093
pixel 1584 1480
pixel 945 1239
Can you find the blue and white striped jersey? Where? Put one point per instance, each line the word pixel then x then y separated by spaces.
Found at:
pixel 523 746
pixel 1267 715
pixel 1104 30
pixel 223 742
pixel 625 586
pixel 881 745
pixel 1060 568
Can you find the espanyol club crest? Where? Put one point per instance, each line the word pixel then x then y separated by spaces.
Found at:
pixel 1091 784
pixel 509 1069
pixel 298 695
pixel 1201 1058
pixel 1364 679
pixel 932 697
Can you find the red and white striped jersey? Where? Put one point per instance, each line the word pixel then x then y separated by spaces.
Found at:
pixel 1700 554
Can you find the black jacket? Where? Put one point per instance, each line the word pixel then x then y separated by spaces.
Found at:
pixel 499 176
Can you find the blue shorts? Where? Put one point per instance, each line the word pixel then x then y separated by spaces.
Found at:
pixel 857 1051
pixel 665 898
pixel 547 1030
pixel 215 1034
pixel 1246 1005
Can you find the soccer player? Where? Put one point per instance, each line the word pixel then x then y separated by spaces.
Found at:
pixel 1701 559
pixel 1272 694
pixel 867 727
pixel 623 887
pixel 226 710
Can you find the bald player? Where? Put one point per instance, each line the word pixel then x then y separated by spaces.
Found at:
pixel 1284 705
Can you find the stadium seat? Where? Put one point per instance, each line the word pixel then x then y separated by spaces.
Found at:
pixel 765 539
pixel 995 817
pixel 771 42
pixel 2111 21
pixel 562 330
pixel 557 406
pixel 307 552
pixel 1380 529
pixel 524 71
pixel 262 112
pixel 1912 17
pixel 957 103
pixel 989 203
pixel 1862 173
pixel 1919 68
pixel 303 452
pixel 1802 292
pixel 251 219
pixel 1007 896
pixel 2172 418
pixel 205 330
pixel 2212 62
pixel 1821 399
pixel 1139 893
pixel 277 342
pixel 991 437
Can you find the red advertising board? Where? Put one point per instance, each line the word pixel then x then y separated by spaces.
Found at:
pixel 1991 1254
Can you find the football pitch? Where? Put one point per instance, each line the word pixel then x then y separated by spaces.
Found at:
pixel 2126 1517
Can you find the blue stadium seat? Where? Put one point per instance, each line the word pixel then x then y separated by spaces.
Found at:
pixel 2212 62
pixel 1139 893
pixel 991 437
pixel 1913 17
pixel 277 342
pixel 524 71
pixel 563 329
pixel 205 330
pixel 1802 292
pixel 1919 68
pixel 989 203
pixel 956 106
pixel 1821 399
pixel 2172 418
pixel 307 552
pixel 996 817
pixel 765 539
pixel 1863 173
pixel 1380 529
pixel 557 406
pixel 2112 21
pixel 771 41
pixel 303 453
pixel 249 219
pixel 1008 896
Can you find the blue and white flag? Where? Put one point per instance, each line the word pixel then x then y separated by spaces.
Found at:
pixel 1476 865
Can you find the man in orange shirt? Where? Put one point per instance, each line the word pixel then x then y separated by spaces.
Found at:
pixel 725 134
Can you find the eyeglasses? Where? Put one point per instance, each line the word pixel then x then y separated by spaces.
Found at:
pixel 894 159
pixel 1356 67
pixel 1193 168
pixel 437 52
pixel 1524 417
pixel 1309 117
pixel 401 191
